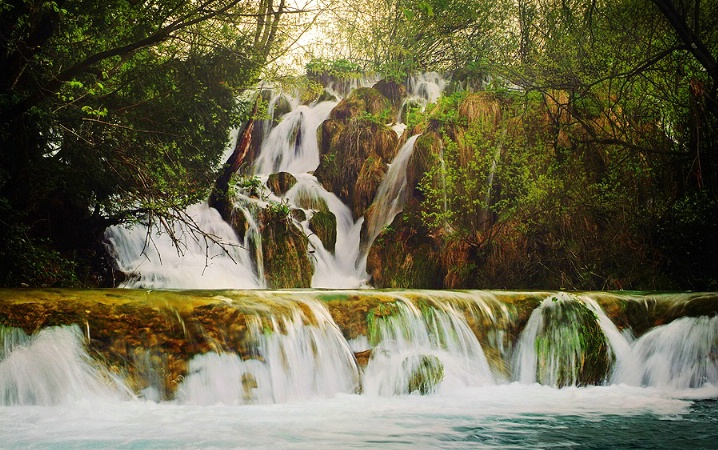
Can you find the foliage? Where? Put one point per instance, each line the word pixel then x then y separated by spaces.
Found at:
pixel 122 110
pixel 399 37
pixel 335 68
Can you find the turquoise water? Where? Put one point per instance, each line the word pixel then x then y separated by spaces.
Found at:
pixel 504 416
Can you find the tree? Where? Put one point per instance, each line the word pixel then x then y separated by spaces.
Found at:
pixel 116 111
pixel 397 37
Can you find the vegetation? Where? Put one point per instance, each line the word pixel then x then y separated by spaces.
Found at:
pixel 575 148
pixel 114 111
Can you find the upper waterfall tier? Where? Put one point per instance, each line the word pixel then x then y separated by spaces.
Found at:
pixel 311 178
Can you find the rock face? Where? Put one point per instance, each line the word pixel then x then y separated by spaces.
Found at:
pixel 355 146
pixel 324 225
pixel 404 255
pixel 285 250
pixel 571 348
pixel 280 183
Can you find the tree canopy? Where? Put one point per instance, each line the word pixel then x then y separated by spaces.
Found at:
pixel 115 111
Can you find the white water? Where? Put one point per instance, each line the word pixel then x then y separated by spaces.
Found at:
pixel 438 331
pixel 292 145
pixel 565 347
pixel 338 269
pixel 302 389
pixel 293 362
pixel 52 367
pixel 390 197
pixel 680 355
pixel 216 260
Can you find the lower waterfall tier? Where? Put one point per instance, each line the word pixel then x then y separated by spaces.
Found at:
pixel 258 347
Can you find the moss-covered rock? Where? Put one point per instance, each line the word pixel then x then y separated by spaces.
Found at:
pixel 425 373
pixel 371 174
pixel 427 149
pixel 324 225
pixel 280 183
pixel 327 96
pixel 285 251
pixel 571 348
pixel 362 101
pixel 355 147
pixel 404 255
pixel 393 91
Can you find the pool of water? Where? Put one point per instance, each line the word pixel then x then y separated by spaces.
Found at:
pixel 503 416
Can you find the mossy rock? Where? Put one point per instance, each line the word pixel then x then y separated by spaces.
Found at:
pixel 324 225
pixel 404 256
pixel 280 183
pixel 362 100
pixel 393 91
pixel 307 198
pixel 425 373
pixel 371 174
pixel 571 348
pixel 341 163
pixel 327 96
pixel 285 247
pixel 425 156
pixel 298 214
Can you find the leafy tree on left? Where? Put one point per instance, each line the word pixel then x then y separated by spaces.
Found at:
pixel 114 111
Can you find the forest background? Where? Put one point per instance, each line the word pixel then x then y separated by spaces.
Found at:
pixel 575 147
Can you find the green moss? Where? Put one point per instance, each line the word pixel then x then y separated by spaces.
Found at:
pixel 285 248
pixel 377 316
pixel 324 225
pixel 425 373
pixel 571 349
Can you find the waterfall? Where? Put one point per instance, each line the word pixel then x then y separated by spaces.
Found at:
pixel 297 356
pixel 390 197
pixel 292 145
pixel 50 367
pixel 422 348
pixel 277 347
pixel 568 341
pixel 210 259
pixel 680 355
pixel 215 257
pixel 337 269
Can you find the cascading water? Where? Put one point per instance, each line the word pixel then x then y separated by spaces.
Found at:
pixel 292 361
pixel 337 268
pixel 288 145
pixel 390 197
pixel 209 257
pixel 278 369
pixel 49 368
pixel 680 355
pixel 421 348
pixel 568 341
